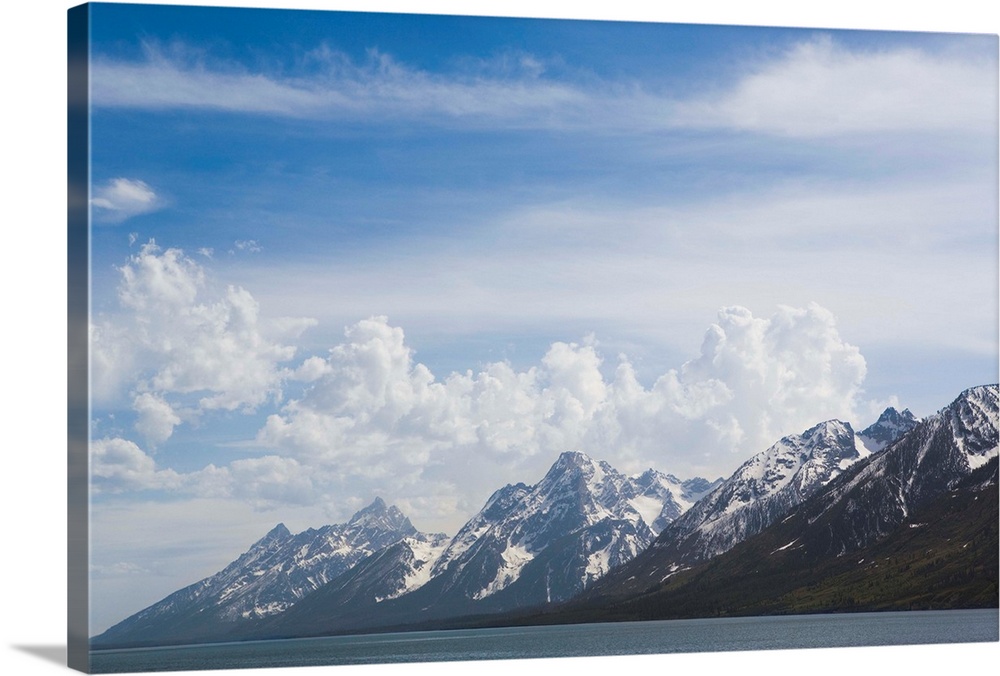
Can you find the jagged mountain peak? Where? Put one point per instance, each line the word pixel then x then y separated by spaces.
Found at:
pixel 984 393
pixel 377 507
pixel 825 447
pixel 279 532
pixel 891 425
pixel 892 415
pixel 972 420
pixel 503 499
pixel 760 491
pixel 382 516
pixel 577 477
pixel 271 576
pixel 828 431
pixel 977 404
pixel 576 461
pixel 700 485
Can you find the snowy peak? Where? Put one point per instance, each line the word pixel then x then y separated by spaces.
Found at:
pixel 270 577
pixel 889 427
pixel 378 516
pixel 976 408
pixel 937 456
pixel 697 487
pixel 279 532
pixel 972 419
pixel 798 462
pixel 662 498
pixel 273 539
pixel 760 491
pixel 548 541
pixel 938 450
pixel 575 473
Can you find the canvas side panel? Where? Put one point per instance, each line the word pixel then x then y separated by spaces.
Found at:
pixel 78 313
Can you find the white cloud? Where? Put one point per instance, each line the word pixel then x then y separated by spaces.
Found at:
pixel 379 86
pixel 122 198
pixel 816 88
pixel 118 465
pixel 374 417
pixel 181 342
pixel 248 245
pixel 369 419
pixel 885 255
pixel 272 480
pixel 820 88
pixel 157 418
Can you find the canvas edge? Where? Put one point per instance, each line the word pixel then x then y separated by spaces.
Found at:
pixel 78 352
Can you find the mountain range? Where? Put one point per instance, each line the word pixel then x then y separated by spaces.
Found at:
pixel 912 526
pixel 587 538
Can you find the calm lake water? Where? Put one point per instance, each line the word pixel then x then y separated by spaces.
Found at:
pixel 619 638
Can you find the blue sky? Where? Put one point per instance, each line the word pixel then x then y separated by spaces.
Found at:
pixel 344 255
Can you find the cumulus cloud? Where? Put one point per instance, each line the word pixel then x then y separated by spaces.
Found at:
pixel 183 342
pixel 756 379
pixel 118 465
pixel 122 198
pixel 157 418
pixel 368 418
pixel 373 412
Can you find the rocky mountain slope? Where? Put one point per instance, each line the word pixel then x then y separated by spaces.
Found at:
pixel 273 574
pixel 950 455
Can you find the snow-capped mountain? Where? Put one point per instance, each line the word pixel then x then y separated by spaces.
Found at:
pixel 360 595
pixel 846 500
pixel 937 454
pixel 528 545
pixel 772 482
pixel 910 527
pixel 891 425
pixel 275 573
pixel 548 542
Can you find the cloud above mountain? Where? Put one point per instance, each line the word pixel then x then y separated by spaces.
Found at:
pixel 368 417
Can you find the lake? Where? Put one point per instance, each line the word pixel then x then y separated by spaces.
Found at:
pixel 617 638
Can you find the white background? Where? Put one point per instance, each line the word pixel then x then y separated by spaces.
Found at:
pixel 33 328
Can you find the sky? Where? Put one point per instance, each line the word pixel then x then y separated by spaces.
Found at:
pixel 338 256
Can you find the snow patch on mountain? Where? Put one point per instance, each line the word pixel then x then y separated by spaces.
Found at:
pixel 599 516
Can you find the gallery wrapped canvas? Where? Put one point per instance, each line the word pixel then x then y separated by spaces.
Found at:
pixel 427 337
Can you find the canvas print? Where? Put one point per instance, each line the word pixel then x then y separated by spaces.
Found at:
pixel 412 338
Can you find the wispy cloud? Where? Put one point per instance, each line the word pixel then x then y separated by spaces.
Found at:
pixel 247 245
pixel 866 250
pixel 815 89
pixel 820 88
pixel 335 88
pixel 182 347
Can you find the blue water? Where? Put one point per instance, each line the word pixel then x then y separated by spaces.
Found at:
pixel 619 638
